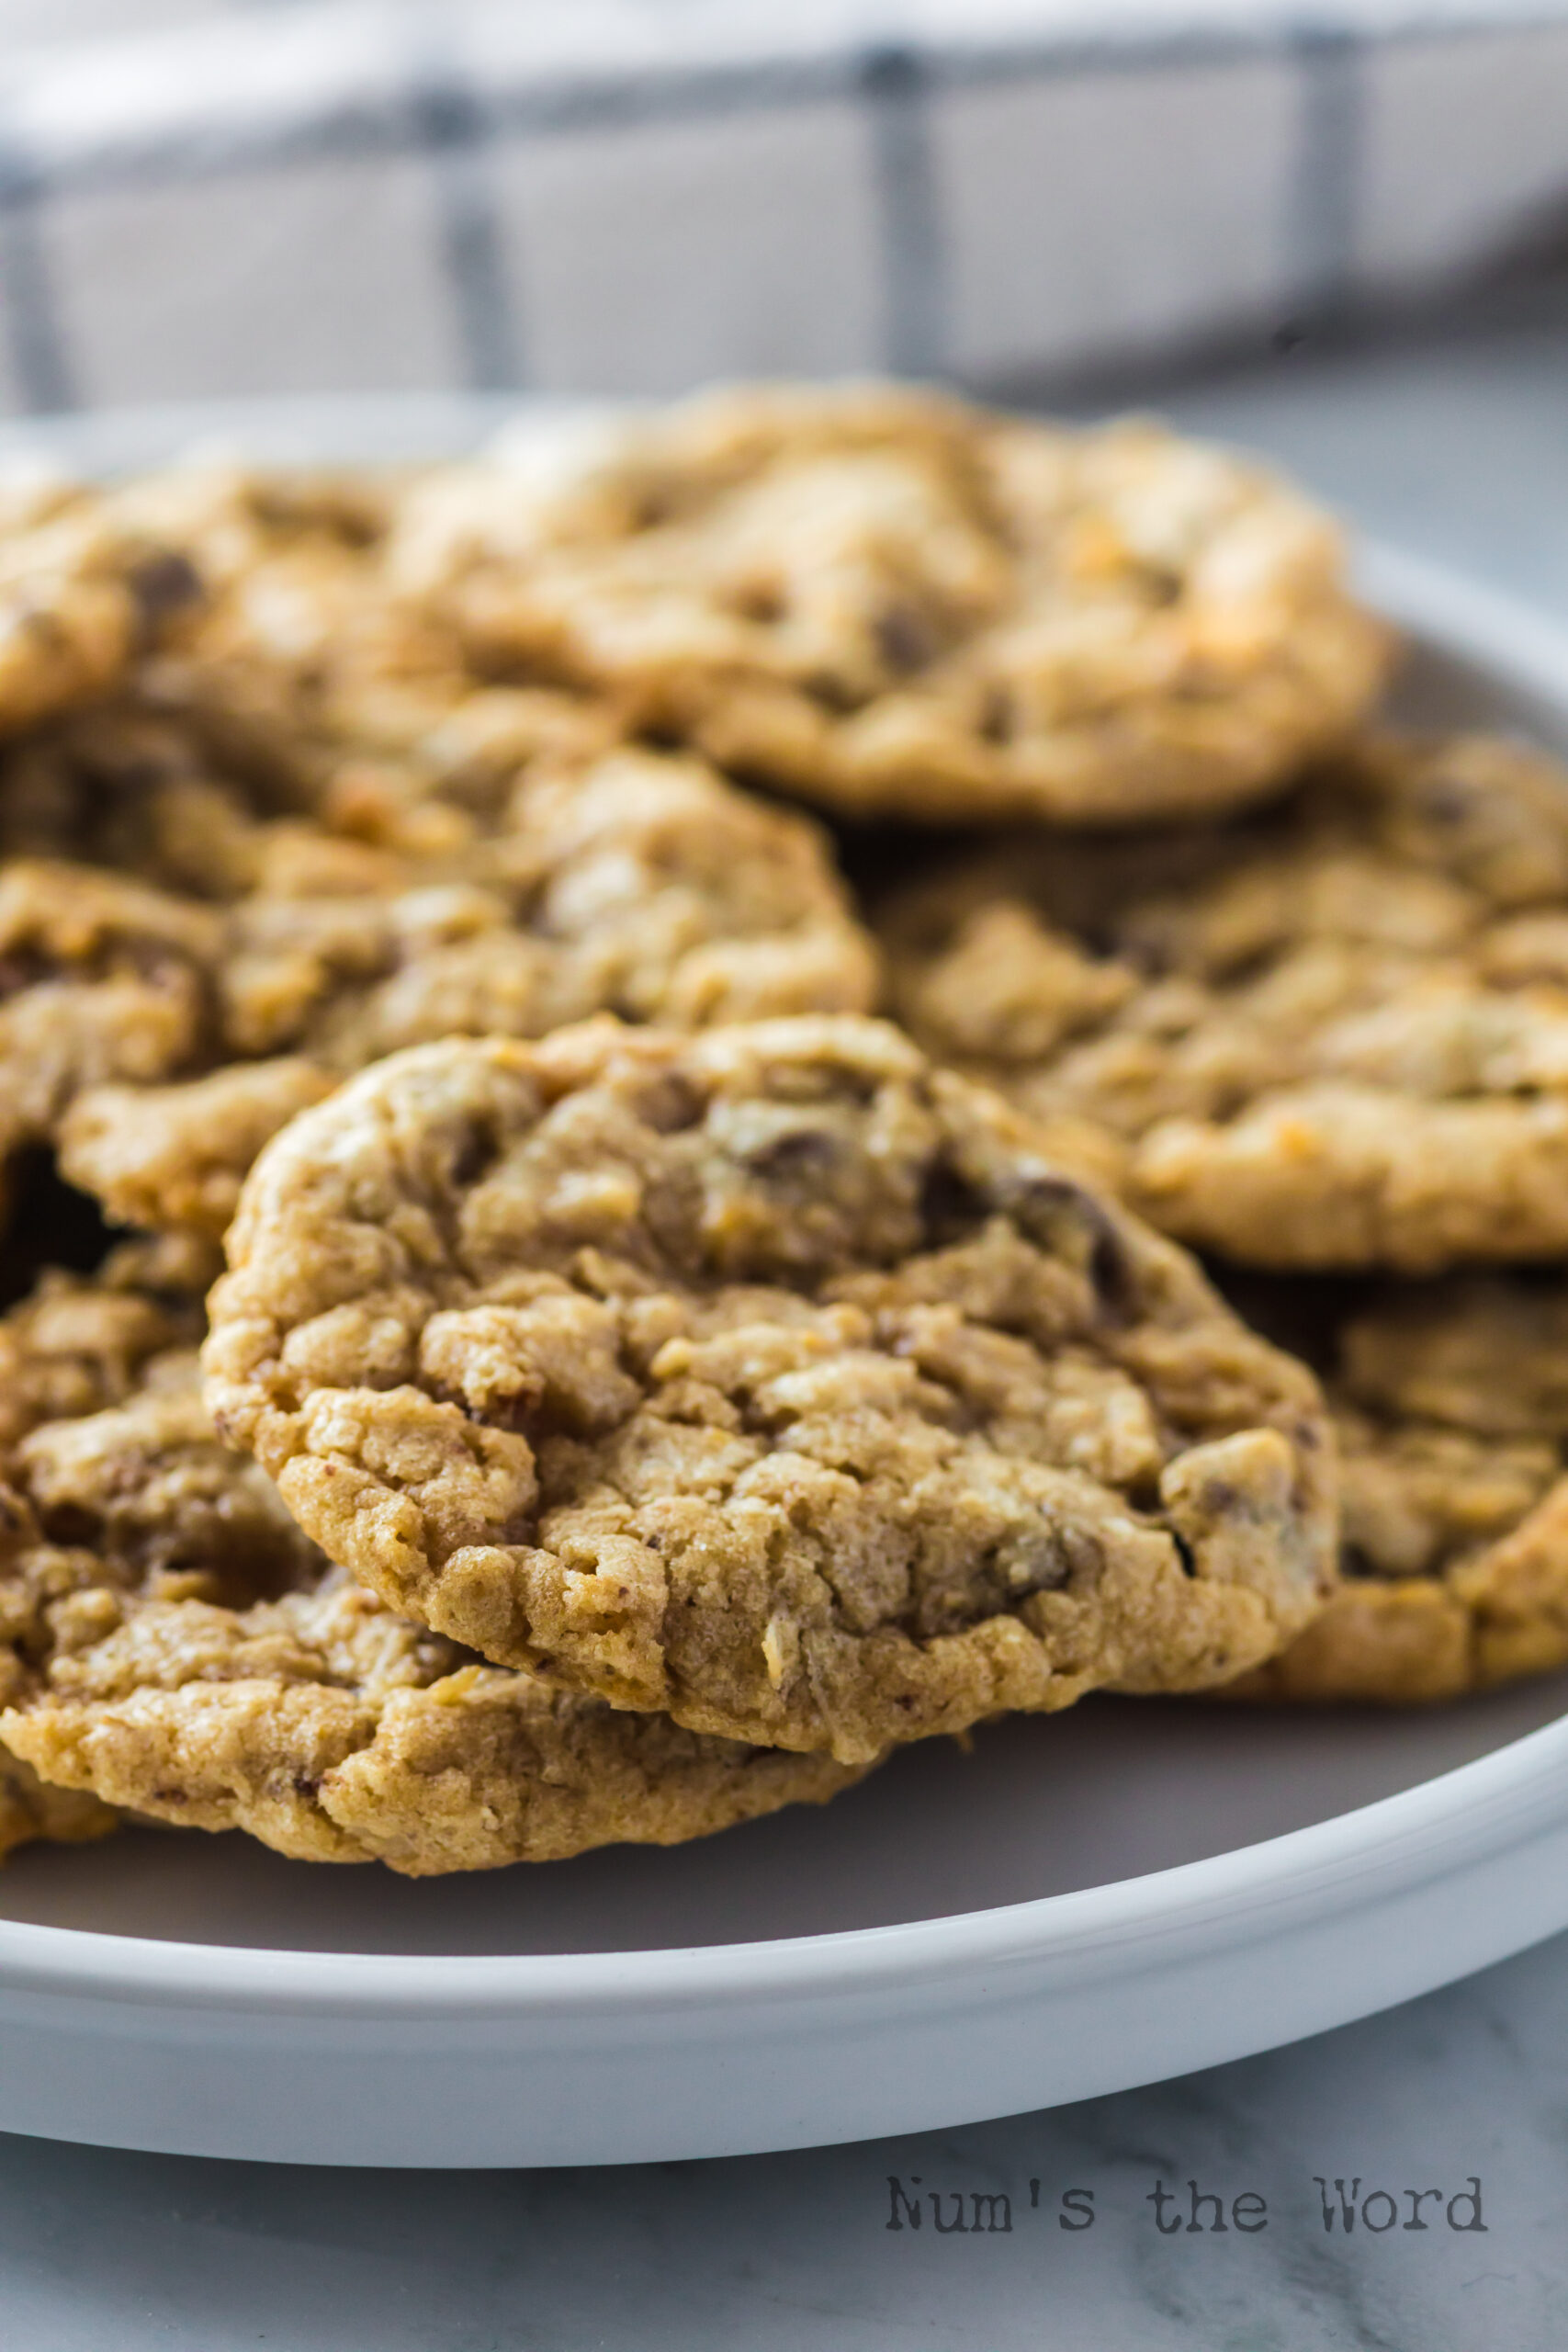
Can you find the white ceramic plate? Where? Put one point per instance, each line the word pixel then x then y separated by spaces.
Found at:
pixel 1081 1903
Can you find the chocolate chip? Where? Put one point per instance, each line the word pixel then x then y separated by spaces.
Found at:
pixel 70 1523
pixel 165 584
pixel 761 601
pixel 833 694
pixel 475 1152
pixel 1073 1226
pixel 998 719
pixel 18 1525
pixel 21 970
pixel 670 1104
pixel 800 1153
pixel 950 1205
pixel 905 639
pixel 1446 800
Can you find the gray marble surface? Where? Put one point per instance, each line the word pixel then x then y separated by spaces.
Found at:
pixel 1462 455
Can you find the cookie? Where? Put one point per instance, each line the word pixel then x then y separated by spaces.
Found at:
pixel 85 588
pixel 299 683
pixel 299 645
pixel 158 1041
pixel 333 1731
pixel 263 671
pixel 1334 1037
pixel 171 1644
pixel 1450 1402
pixel 77 1344
pixel 894 604
pixel 100 980
pixel 97 579
pixel 70 1348
pixel 769 1378
pixel 113 1480
pixel 173 1158
pixel 642 885
pixel 122 786
pixel 31 1811
pixel 272 573
pixel 113 995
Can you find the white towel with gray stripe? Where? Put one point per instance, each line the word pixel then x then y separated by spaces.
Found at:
pixel 207 198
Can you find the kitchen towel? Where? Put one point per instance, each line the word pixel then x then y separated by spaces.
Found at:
pixel 215 198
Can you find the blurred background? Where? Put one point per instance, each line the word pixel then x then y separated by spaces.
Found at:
pixel 1054 200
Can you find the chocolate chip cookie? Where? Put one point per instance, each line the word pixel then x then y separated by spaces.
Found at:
pixel 1334 1037
pixel 269 580
pixel 100 979
pixel 72 1348
pixel 158 1041
pixel 75 1344
pixel 33 1812
pixel 84 589
pixel 218 654
pixel 891 603
pixel 334 1731
pixel 171 1644
pixel 1450 1403
pixel 770 1378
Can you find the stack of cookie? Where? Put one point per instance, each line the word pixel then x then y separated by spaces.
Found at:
pixel 1328 1044
pixel 647 1386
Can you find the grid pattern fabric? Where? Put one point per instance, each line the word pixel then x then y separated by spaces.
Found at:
pixel 211 199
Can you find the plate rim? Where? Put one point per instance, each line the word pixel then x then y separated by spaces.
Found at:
pixel 1504 1798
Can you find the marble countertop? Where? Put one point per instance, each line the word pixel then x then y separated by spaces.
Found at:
pixel 1458 2101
